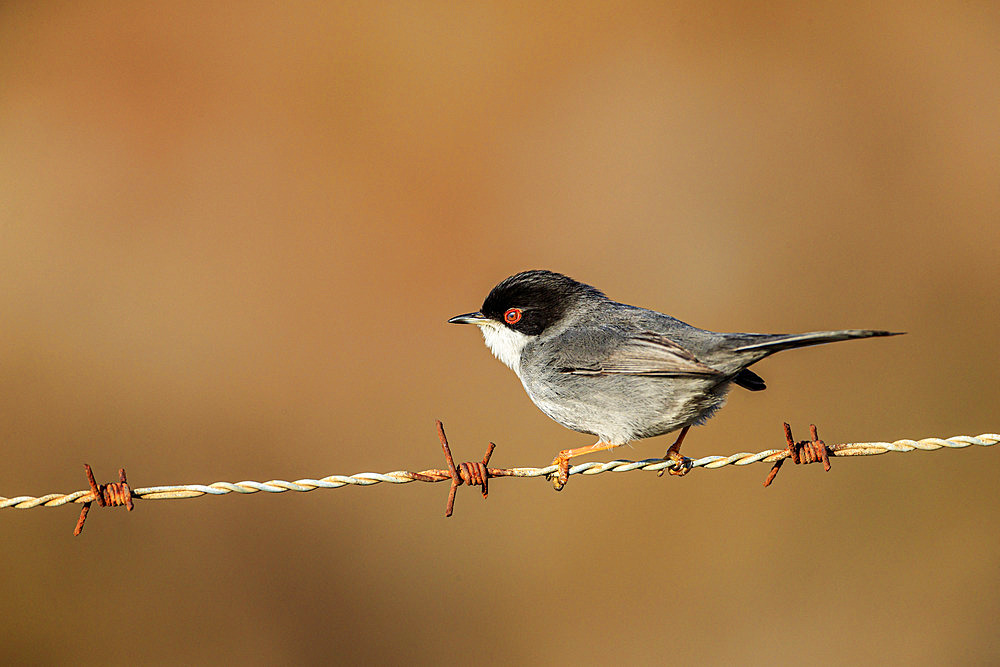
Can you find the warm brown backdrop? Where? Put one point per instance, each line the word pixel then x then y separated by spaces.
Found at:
pixel 230 239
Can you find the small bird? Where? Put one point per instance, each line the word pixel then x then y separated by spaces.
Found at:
pixel 616 371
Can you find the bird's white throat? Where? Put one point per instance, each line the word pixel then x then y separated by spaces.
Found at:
pixel 506 344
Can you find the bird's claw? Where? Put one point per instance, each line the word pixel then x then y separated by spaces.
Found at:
pixel 561 476
pixel 681 467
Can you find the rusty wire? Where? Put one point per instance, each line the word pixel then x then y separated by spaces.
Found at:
pixel 107 495
pixel 478 473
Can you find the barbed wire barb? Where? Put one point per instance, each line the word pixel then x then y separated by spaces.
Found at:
pixel 106 495
pixel 478 473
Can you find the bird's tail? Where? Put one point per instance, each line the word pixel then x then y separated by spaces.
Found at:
pixel 776 342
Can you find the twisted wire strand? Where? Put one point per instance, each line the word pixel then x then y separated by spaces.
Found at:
pixel 435 475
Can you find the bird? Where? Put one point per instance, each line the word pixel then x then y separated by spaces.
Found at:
pixel 620 372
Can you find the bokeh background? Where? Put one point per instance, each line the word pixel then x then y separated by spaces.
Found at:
pixel 230 236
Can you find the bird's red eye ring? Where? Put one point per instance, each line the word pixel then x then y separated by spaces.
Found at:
pixel 512 316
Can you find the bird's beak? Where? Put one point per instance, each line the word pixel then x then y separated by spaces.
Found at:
pixel 469 318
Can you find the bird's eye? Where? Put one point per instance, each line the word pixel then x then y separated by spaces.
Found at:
pixel 512 316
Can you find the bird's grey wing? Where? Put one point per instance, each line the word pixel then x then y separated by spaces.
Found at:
pixel 646 353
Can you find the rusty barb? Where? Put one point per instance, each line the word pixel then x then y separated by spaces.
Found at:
pixel 475 473
pixel 478 473
pixel 813 450
pixel 106 495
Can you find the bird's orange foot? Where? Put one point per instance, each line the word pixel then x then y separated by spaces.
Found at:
pixel 561 476
pixel 682 465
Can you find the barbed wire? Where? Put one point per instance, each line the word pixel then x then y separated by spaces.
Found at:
pixel 478 474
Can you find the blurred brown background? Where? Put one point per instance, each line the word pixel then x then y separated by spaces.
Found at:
pixel 230 238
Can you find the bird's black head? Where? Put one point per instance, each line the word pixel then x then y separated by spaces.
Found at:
pixel 531 301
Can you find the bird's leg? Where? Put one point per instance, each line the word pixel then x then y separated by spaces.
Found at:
pixel 562 460
pixel 674 454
